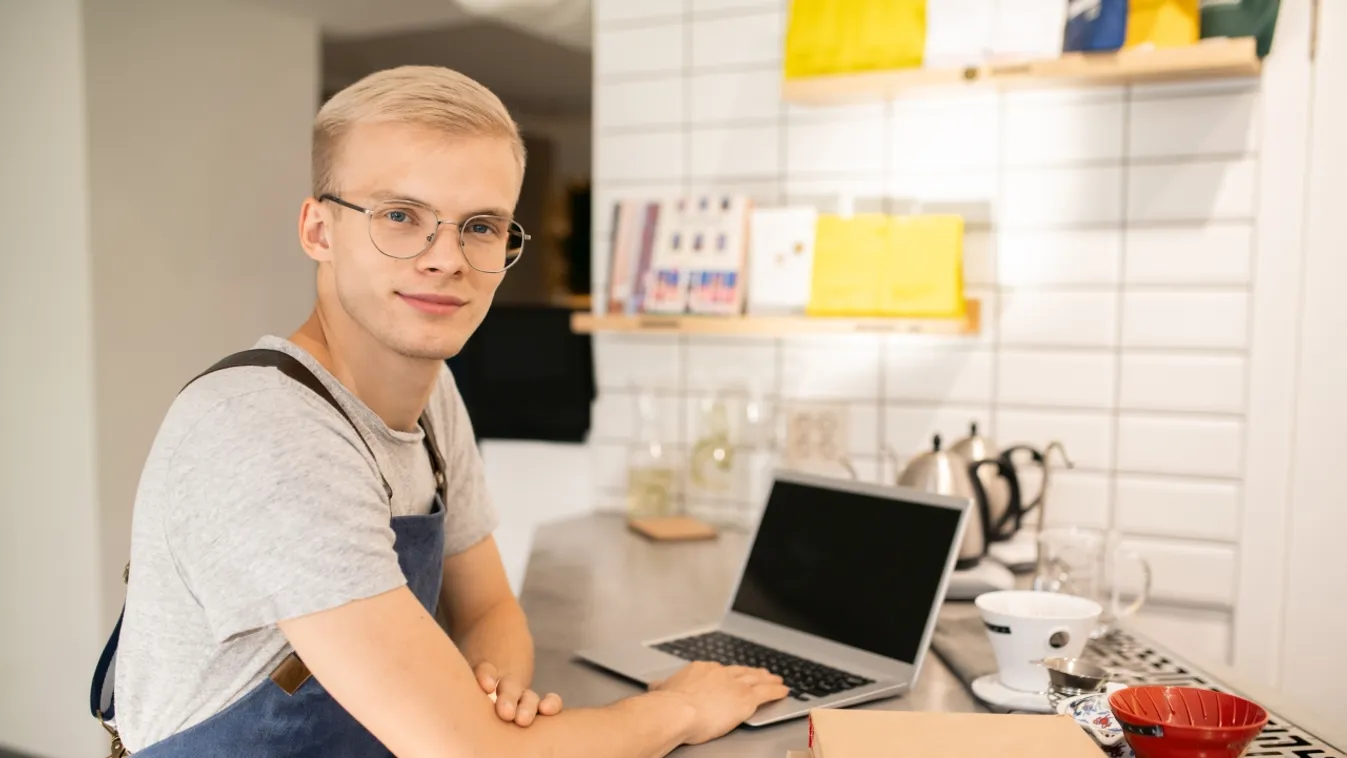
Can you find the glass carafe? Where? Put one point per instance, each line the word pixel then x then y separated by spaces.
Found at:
pixel 651 469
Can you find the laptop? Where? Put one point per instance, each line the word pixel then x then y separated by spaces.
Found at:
pixel 839 595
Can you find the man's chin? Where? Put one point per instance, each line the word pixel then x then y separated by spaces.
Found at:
pixel 430 350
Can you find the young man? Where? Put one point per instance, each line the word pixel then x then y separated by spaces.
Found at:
pixel 290 551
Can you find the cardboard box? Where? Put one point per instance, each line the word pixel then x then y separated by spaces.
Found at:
pixel 849 733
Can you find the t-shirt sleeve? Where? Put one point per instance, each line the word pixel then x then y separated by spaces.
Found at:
pixel 277 513
pixel 470 516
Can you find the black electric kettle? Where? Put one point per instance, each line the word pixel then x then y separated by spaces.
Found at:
pixel 995 479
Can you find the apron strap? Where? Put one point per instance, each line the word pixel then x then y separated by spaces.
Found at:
pixel 102 703
pixel 100 694
pixel 295 369
pixel 436 459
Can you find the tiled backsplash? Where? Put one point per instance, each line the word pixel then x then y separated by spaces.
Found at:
pixel 1110 240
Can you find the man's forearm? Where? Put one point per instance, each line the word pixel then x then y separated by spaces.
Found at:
pixel 500 637
pixel 646 726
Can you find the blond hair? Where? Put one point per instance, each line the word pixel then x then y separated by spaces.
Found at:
pixel 430 96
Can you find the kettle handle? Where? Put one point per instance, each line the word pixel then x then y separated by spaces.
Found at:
pixel 1001 530
pixel 982 503
pixel 1040 459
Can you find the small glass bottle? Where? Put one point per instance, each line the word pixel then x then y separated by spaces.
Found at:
pixel 713 465
pixel 651 471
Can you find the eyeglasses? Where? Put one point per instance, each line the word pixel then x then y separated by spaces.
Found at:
pixel 490 244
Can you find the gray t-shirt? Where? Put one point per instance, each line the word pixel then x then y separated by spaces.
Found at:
pixel 259 503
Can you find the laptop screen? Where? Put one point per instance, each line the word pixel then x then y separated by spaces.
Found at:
pixel 850 567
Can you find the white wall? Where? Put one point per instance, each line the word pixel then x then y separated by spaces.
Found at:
pixel 1133 249
pixel 199 121
pixel 48 518
pixel 1313 664
pixel 152 187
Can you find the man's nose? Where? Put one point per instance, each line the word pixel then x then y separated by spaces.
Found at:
pixel 446 251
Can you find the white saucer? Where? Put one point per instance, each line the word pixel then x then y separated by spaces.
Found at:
pixel 988 689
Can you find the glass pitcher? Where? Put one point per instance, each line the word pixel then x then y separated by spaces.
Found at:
pixel 652 474
pixel 1093 564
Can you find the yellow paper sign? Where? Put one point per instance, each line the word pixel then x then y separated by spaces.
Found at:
pixel 844 36
pixel 881 265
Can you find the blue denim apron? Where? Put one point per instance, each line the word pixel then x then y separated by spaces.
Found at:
pixel 289 714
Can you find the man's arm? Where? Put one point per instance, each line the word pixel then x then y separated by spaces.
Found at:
pixel 484 618
pixel 490 630
pixel 388 663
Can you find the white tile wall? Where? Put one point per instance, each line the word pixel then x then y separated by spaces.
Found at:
pixel 653 102
pixel 614 417
pixel 973 195
pixel 1074 498
pixel 945 134
pixel 834 146
pixel 1041 134
pixel 637 157
pixel 953 375
pixel 738 40
pixel 714 364
pixel 1172 382
pixel 1047 258
pixel 645 11
pixel 817 370
pixel 1209 254
pixel 1199 320
pixel 735 151
pixel 1191 191
pixel 1178 507
pixel 712 6
pixel 1185 128
pixel 1072 379
pixel 639 50
pixel 1086 435
pixel 1184 572
pixel 1074 319
pixel 1054 197
pixel 624 363
pixel 1196 634
pixel 1110 236
pixel 1178 445
pixel 735 95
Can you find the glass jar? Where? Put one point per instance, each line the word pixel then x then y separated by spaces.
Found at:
pixel 651 469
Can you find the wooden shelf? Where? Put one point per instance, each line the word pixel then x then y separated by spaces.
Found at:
pixel 1209 59
pixel 777 326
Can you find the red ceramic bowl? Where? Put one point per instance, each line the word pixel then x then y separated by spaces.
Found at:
pixel 1186 722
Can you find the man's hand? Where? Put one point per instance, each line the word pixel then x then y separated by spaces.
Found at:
pixel 723 696
pixel 514 701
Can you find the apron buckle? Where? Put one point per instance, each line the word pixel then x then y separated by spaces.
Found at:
pixel 118 749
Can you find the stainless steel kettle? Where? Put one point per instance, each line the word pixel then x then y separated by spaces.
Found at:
pixel 947 473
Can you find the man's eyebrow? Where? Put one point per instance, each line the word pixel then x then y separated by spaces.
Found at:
pixel 380 196
pixel 500 212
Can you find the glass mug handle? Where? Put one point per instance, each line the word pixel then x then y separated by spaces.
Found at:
pixel 1145 592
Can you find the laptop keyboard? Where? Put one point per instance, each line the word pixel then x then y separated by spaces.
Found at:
pixel 806 679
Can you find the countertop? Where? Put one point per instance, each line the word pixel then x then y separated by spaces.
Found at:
pixel 591 581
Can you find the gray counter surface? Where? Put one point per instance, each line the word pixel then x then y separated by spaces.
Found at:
pixel 591 581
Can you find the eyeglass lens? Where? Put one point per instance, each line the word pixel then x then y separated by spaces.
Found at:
pixel 490 243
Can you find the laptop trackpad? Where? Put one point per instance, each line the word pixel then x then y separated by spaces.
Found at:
pixel 646 664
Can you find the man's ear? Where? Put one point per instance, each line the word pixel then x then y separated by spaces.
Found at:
pixel 315 230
